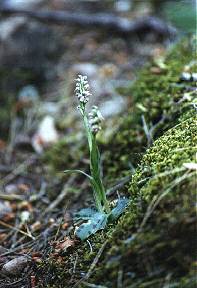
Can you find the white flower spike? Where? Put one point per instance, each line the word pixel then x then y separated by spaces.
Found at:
pixel 82 89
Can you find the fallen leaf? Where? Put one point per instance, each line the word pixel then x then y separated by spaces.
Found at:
pixel 23 187
pixel 2 144
pixel 63 245
pixel 36 226
pixel 8 217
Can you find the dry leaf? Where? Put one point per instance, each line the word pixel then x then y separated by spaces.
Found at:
pixel 63 245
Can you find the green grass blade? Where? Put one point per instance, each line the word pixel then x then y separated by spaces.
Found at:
pixel 78 171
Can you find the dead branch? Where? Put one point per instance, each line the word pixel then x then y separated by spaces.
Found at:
pixel 117 25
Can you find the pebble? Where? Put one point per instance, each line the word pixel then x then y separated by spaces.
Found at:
pixel 4 209
pixel 46 134
pixel 15 266
pixel 11 189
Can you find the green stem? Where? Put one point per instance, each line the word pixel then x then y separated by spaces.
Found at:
pixel 98 188
pixel 95 167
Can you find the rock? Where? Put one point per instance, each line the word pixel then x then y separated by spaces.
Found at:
pixel 49 108
pixel 24 53
pixel 46 134
pixel 8 26
pixel 113 106
pixel 123 5
pixel 28 94
pixel 15 266
pixel 18 4
pixel 25 59
pixel 11 189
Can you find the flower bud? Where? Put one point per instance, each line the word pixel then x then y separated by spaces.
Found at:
pixel 95 118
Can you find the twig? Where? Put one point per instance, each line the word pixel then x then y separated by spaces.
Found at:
pixel 12 136
pixel 156 199
pixel 147 131
pixel 154 127
pixel 75 264
pixel 11 197
pixel 95 261
pixel 61 196
pixel 18 170
pixel 118 25
pixel 90 246
pixel 16 229
pixel 74 268
pixel 22 246
pixel 119 185
pixel 92 266
pixel 150 132
pixel 93 285
pixel 120 278
pixel 12 284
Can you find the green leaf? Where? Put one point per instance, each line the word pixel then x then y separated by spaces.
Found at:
pixel 118 210
pixel 95 223
pixel 95 159
pixel 78 171
pixel 85 213
pixel 94 184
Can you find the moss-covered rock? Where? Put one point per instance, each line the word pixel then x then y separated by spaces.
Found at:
pixel 157 96
pixel 153 243
pixel 160 244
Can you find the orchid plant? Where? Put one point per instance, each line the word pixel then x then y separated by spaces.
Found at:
pixel 96 219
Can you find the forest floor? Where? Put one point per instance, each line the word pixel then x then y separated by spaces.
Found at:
pixel 37 200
